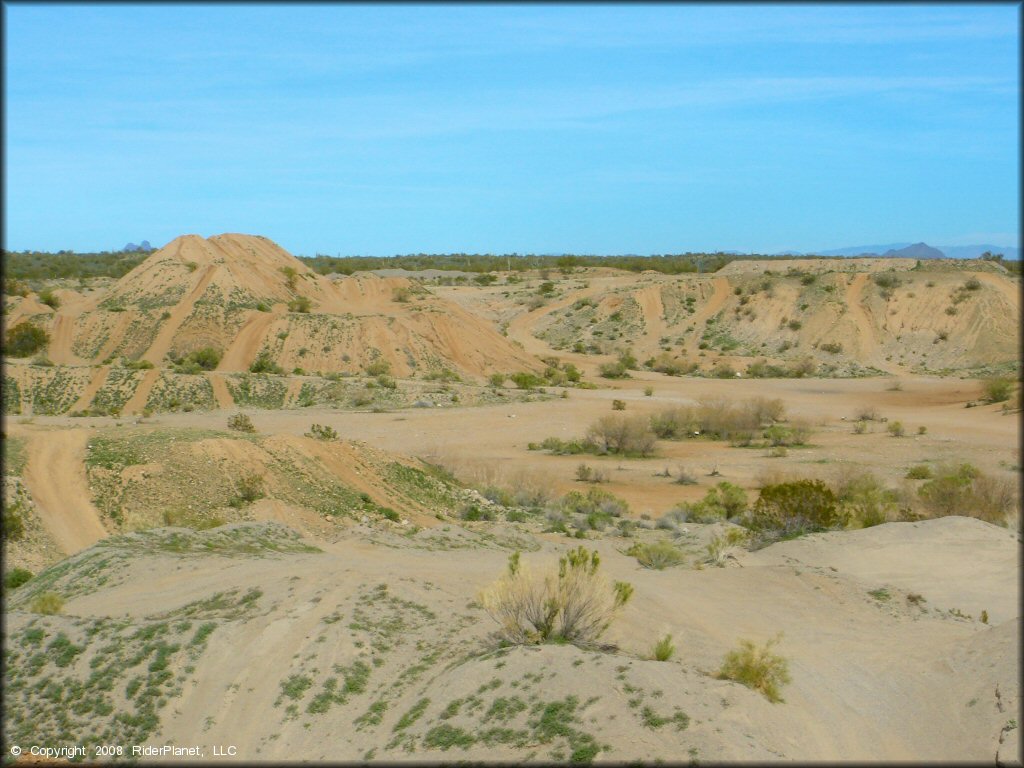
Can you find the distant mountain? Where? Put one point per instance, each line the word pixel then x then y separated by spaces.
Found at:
pixel 937 252
pixel 915 251
pixel 974 251
pixel 133 248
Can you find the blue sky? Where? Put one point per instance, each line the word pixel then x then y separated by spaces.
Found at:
pixel 512 128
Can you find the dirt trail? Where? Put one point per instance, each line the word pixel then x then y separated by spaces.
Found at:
pixel 649 299
pixel 61 337
pixel 521 327
pixel 866 342
pixel 97 381
pixel 247 342
pixel 138 399
pixel 55 476
pixel 1008 289
pixel 221 391
pixel 162 343
pixel 713 304
pixel 291 395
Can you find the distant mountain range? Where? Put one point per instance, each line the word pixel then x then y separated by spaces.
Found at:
pixel 133 248
pixel 919 251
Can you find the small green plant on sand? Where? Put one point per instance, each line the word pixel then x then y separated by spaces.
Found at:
pixel 663 649
pixel 47 603
pixel 757 668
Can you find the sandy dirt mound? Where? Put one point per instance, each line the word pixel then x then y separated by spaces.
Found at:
pixel 387 637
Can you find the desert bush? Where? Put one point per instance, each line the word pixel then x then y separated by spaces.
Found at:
pixel 657 555
pixel 49 298
pixel 863 498
pixel 241 422
pixel 663 649
pixel 25 339
pixel 265 364
pixel 47 603
pixel 205 359
pixel 720 544
pixel 378 367
pixel 896 429
pixel 587 474
pixel 674 423
pixel 14 526
pixel 997 388
pixel 867 413
pixel 526 380
pixel 401 295
pixel 792 509
pixel 250 487
pixel 15 577
pixel 321 432
pixel 613 370
pixel 723 502
pixel 757 668
pixel 137 365
pixel 684 476
pixel 300 304
pixel 802 368
pixel 290 275
pixel 622 434
pixel 595 501
pixel 972 284
pixel 618 405
pixel 919 472
pixel 648 391
pixel 187 518
pixel 474 512
pixel 886 280
pixel 497 380
pixel 832 347
pixel 860 427
pixel 723 371
pixel 576 605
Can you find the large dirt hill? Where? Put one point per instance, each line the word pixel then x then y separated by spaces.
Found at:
pixel 232 292
pixel 250 636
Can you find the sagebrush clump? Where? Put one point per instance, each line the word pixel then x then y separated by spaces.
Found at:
pixel 574 605
pixel 758 668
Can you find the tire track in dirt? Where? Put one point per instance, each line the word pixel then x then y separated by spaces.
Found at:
pixel 139 397
pixel 220 391
pixel 866 341
pixel 162 343
pixel 62 334
pixel 521 327
pixel 649 299
pixel 710 307
pixel 98 379
pixel 56 479
pixel 247 342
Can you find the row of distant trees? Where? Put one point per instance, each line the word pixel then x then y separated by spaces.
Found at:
pixel 40 265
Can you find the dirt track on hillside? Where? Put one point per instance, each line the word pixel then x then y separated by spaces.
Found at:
pixel 55 476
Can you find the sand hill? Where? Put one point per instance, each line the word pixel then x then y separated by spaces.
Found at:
pixel 350 650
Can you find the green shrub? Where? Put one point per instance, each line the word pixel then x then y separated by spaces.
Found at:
pixel 15 577
pixel 964 490
pixel 265 364
pixel 321 432
pixel 896 429
pixel 790 509
pixel 47 297
pixel 663 649
pixel 138 365
pixel 618 405
pixel 378 367
pixel 14 526
pixel 575 606
pixel 300 304
pixel 241 422
pixel 615 370
pixel 497 380
pixel 657 555
pixel 25 339
pixel 757 668
pixel 206 358
pixel 725 501
pixel 47 603
pixel 833 347
pixel 997 389
pixel 250 487
pixel 919 472
pixel 526 380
